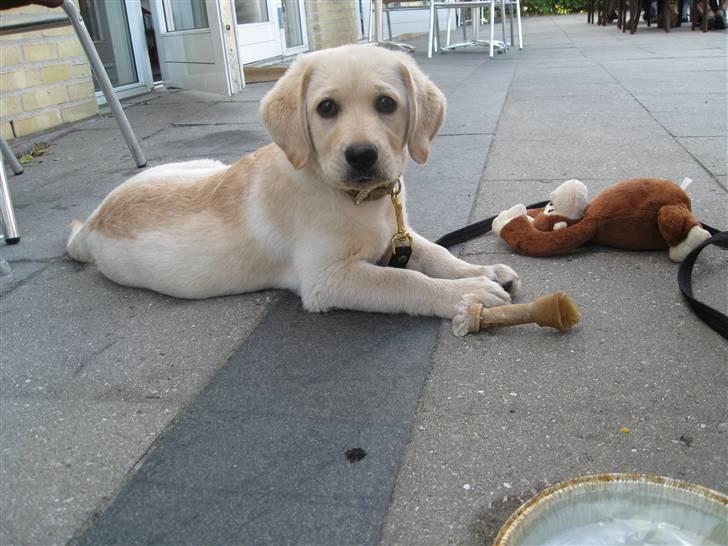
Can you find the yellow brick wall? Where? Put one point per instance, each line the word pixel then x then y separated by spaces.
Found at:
pixel 45 78
pixel 331 22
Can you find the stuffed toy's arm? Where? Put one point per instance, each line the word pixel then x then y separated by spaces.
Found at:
pixel 524 238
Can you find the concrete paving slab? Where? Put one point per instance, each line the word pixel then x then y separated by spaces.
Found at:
pixel 20 271
pixel 587 157
pixel 576 89
pixel 227 143
pixel 69 444
pixel 479 99
pixel 676 82
pixel 675 66
pixel 562 76
pixel 709 151
pixel 532 107
pixel 683 124
pixel 508 412
pixel 99 381
pixel 521 414
pixel 99 370
pixel 611 126
pixel 437 203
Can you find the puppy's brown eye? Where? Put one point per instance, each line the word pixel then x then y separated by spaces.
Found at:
pixel 386 105
pixel 327 108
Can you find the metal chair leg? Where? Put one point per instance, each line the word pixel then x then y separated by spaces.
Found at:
pixel 491 24
pixel 464 19
pixel 510 18
pixel 10 227
pixel 431 37
pixel 372 15
pixel 503 22
pixel 103 79
pixel 449 24
pixel 8 154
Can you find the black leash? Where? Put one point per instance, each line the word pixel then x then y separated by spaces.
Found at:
pixel 712 317
pixel 475 230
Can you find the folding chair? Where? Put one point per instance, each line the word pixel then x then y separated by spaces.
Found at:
pixel 9 227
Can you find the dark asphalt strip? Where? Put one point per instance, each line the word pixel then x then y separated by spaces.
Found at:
pixel 297 439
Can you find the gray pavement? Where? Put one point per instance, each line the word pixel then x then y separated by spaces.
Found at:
pixel 129 417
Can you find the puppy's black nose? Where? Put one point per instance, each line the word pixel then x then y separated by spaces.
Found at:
pixel 361 156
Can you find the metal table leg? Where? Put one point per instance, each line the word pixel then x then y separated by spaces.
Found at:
pixel 492 44
pixel 379 24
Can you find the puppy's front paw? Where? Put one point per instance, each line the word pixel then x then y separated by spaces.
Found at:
pixel 505 276
pixel 487 291
pixel 506 216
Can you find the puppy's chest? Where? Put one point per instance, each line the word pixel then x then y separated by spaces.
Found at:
pixel 374 238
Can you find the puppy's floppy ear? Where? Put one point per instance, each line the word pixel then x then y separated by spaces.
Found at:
pixel 283 110
pixel 426 110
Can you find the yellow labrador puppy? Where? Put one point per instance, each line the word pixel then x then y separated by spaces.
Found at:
pixel 309 213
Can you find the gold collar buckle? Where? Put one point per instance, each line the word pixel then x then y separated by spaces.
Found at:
pixel 402 237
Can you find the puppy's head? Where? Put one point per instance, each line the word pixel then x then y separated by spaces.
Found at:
pixel 351 112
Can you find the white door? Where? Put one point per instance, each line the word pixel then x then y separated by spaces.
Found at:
pixel 293 27
pixel 192 36
pixel 258 30
pixel 270 28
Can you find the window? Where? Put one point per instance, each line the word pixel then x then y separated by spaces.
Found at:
pixel 251 11
pixel 185 14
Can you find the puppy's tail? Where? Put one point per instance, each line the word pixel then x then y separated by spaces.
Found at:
pixel 76 245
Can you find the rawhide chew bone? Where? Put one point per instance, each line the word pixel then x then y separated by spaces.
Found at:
pixel 555 310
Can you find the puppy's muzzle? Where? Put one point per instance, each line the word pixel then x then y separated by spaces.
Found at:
pixel 361 157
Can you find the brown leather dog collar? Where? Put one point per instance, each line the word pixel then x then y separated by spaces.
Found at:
pixel 374 194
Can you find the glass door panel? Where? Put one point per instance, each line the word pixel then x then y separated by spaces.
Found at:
pixel 292 27
pixel 251 11
pixel 108 25
pixel 181 15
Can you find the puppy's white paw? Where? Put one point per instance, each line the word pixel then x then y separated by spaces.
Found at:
pixel 504 276
pixel 482 289
pixel 506 216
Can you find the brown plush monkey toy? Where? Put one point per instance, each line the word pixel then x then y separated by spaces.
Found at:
pixel 636 214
